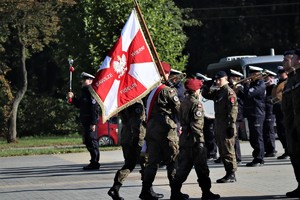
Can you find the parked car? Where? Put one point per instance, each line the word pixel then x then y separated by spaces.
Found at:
pixel 108 131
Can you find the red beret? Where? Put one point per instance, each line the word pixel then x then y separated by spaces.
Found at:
pixel 193 84
pixel 166 67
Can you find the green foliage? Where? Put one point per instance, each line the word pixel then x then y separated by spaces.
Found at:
pixel 5 99
pixel 42 115
pixel 104 22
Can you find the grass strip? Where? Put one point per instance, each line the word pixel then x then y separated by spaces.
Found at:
pixel 46 145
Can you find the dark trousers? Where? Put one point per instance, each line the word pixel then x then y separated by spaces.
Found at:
pixel 256 137
pixel 281 132
pixel 237 146
pixel 209 137
pixel 269 134
pixel 91 143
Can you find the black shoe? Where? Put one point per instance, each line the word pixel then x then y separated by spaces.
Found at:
pixel 270 155
pixel 114 194
pixel 92 166
pixel 228 178
pixel 147 195
pixel 158 195
pixel 209 195
pixel 294 193
pixel 255 164
pixel 283 156
pixel 218 160
pixel 179 196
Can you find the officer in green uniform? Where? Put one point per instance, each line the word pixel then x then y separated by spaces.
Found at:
pixel 291 112
pixel 226 109
pixel 192 151
pixel 161 135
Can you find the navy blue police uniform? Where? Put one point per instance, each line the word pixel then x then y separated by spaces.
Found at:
pixel 269 123
pixel 89 115
pixel 254 111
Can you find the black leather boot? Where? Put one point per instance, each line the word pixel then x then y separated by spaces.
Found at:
pixel 113 192
pixel 209 195
pixel 146 193
pixel 176 194
pixel 228 178
pixel 158 195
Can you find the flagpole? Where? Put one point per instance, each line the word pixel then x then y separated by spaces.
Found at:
pixel 160 68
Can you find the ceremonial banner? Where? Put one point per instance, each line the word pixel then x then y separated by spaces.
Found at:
pixel 128 72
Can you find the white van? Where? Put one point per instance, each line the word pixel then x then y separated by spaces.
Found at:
pixel 241 63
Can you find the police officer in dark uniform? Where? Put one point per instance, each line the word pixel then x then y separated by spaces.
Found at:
pixel 277 109
pixel 226 109
pixel 132 139
pixel 254 111
pixel 192 150
pixel 161 135
pixel 89 116
pixel 269 123
pixel 291 112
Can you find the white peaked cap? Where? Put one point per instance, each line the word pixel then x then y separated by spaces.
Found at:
pixel 270 72
pixel 201 76
pixel 85 75
pixel 254 68
pixel 236 73
pixel 174 71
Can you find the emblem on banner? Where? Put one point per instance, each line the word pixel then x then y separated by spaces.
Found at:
pixel 120 65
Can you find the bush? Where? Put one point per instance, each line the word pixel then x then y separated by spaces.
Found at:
pixel 41 115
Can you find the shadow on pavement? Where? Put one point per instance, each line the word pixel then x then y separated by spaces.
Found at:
pixel 56 170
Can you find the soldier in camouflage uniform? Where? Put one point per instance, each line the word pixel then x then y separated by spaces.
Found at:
pixel 161 135
pixel 226 109
pixel 132 139
pixel 192 151
pixel 291 112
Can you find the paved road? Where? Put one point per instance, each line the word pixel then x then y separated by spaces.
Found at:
pixel 60 177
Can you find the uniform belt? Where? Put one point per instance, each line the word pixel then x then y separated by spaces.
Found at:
pixel 287 90
pixel 291 88
pixel 296 86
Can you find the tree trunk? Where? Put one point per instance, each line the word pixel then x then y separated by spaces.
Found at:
pixel 12 121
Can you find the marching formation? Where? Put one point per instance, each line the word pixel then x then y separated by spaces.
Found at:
pixel 163 129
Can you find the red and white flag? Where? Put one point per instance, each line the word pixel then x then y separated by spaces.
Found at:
pixel 128 72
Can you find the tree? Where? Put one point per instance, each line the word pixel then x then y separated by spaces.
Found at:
pixel 105 20
pixel 30 25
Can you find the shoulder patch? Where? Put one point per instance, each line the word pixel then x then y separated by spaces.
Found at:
pixel 175 98
pixel 94 101
pixel 198 113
